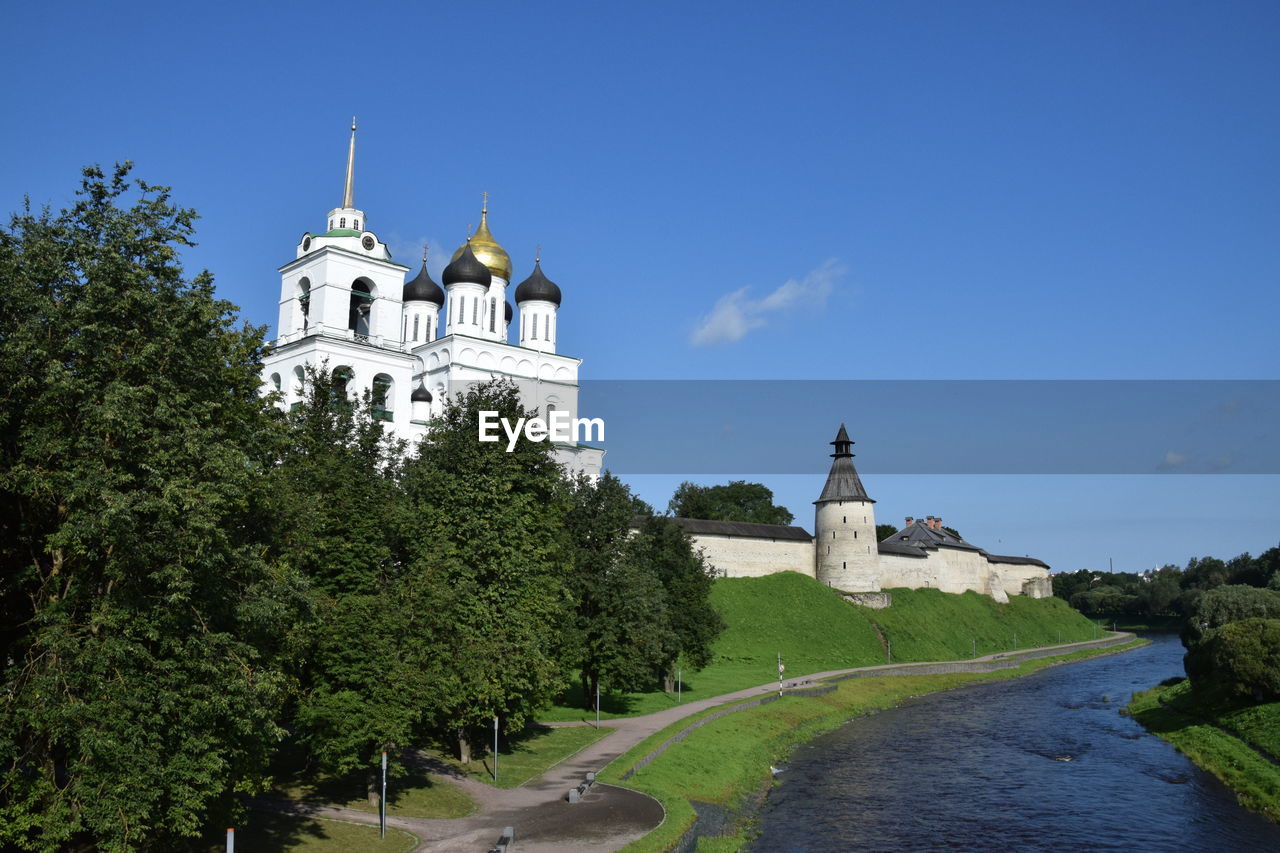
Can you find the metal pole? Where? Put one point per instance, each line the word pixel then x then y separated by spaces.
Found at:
pixel 889 650
pixel 231 840
pixel 495 749
pixel 779 673
pixel 679 685
pixel 383 802
pixel 1015 641
pixel 975 647
pixel 597 703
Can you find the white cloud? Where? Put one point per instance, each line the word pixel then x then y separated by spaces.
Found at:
pixel 408 251
pixel 735 315
pixel 1174 460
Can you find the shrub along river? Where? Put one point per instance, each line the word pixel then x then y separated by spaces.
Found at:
pixel 1043 762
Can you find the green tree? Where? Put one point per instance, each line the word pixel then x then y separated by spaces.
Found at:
pixel 485 539
pixel 1225 604
pixel 884 531
pixel 142 615
pixel 622 634
pixel 362 683
pixel 736 501
pixel 1242 659
pixel 1205 573
pixel 662 547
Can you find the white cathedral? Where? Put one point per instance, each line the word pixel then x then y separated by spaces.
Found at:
pixel 345 303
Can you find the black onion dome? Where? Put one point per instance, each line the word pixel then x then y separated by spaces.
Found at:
pixel 420 394
pixel 509 312
pixel 538 286
pixel 423 289
pixel 467 268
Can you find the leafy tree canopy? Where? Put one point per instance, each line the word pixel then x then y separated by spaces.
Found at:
pixel 486 546
pixel 736 501
pixel 141 608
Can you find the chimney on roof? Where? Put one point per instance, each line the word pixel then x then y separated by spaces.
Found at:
pixel 909 520
pixel 938 523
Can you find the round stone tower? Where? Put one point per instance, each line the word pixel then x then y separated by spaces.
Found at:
pixel 845 526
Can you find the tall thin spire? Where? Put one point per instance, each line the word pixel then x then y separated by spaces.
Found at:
pixel 349 196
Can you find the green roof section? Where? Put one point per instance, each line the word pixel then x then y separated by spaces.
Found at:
pixel 341 232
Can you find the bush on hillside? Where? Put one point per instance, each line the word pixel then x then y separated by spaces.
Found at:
pixel 1239 659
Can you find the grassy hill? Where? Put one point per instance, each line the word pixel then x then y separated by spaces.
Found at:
pixel 815 630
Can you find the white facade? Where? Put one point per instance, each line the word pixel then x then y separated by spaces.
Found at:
pixel 341 305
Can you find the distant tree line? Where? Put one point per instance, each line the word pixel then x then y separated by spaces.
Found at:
pixel 1165 592
pixel 188 574
pixel 1230 611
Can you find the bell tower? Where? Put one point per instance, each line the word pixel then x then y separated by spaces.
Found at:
pixel 340 303
pixel 848 556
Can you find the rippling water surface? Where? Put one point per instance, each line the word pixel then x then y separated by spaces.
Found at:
pixel 1044 762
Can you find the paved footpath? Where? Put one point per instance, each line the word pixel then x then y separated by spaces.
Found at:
pixel 608 817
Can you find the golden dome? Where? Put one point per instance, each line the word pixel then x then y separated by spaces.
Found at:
pixel 487 249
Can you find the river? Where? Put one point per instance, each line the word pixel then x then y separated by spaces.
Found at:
pixel 1043 762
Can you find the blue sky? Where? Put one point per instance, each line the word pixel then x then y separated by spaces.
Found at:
pixel 984 190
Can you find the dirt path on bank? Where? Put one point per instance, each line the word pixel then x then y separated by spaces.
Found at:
pixel 608 817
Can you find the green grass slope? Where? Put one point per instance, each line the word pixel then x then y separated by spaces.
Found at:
pixel 925 624
pixel 815 630
pixel 1237 742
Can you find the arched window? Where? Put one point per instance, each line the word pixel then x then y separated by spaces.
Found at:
pixel 475 309
pixel 415 327
pixel 304 302
pixel 546 329
pixel 493 314
pixel 342 223
pixel 381 397
pixel 330 224
pixel 535 327
pixel 275 381
pixel 341 382
pixel 359 318
pixel 356 225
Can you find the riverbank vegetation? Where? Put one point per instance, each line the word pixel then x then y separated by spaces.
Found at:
pixel 728 760
pixel 1239 742
pixel 1225 716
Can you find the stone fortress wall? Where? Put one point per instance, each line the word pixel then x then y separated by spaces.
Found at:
pixel 843 553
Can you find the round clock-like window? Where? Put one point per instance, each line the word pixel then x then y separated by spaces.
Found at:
pixel 368 243
pixel 306 244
